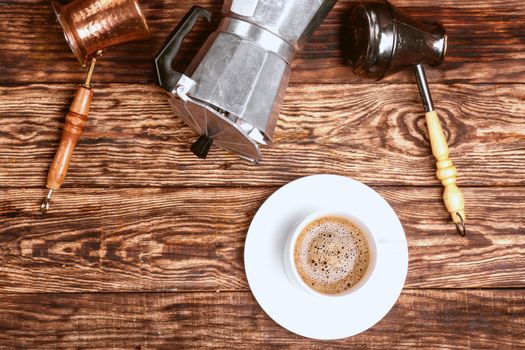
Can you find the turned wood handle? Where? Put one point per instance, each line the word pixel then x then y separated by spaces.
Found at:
pixel 73 128
pixel 446 171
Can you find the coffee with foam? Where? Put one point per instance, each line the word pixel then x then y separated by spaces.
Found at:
pixel 331 255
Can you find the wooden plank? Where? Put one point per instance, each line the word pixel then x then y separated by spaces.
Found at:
pixel 117 240
pixel 431 319
pixel 374 133
pixel 487 43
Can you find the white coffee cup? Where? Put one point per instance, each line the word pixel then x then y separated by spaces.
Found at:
pixel 289 250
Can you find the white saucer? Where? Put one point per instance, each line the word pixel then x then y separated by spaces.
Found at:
pixel 297 310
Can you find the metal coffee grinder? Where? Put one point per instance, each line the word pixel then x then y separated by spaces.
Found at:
pixel 384 40
pixel 232 91
pixel 90 26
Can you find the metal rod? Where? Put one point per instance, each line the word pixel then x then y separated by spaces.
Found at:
pixel 461 228
pixel 92 68
pixel 426 97
pixel 46 203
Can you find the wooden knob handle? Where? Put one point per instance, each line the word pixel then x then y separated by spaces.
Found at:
pixel 73 128
pixel 446 171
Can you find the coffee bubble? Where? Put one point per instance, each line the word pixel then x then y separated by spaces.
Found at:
pixel 331 255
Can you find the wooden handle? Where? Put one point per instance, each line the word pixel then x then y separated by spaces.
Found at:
pixel 73 128
pixel 446 171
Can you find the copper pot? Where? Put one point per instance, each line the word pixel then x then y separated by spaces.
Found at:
pixel 93 25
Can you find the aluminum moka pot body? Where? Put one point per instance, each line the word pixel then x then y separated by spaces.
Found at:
pixel 93 25
pixel 232 91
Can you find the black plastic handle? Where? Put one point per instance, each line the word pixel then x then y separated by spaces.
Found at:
pixel 167 77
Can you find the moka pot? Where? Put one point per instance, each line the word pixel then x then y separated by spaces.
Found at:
pixel 232 91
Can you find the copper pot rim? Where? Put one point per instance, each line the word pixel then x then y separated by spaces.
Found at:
pixel 69 34
pixel 142 17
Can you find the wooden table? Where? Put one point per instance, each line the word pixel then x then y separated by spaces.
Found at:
pixel 143 247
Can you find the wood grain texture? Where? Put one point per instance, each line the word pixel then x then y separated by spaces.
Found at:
pixel 144 245
pixel 374 133
pixel 193 239
pixel 430 319
pixel 487 43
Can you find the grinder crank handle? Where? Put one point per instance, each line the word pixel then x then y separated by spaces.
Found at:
pixel 168 77
pixel 73 128
pixel 446 171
